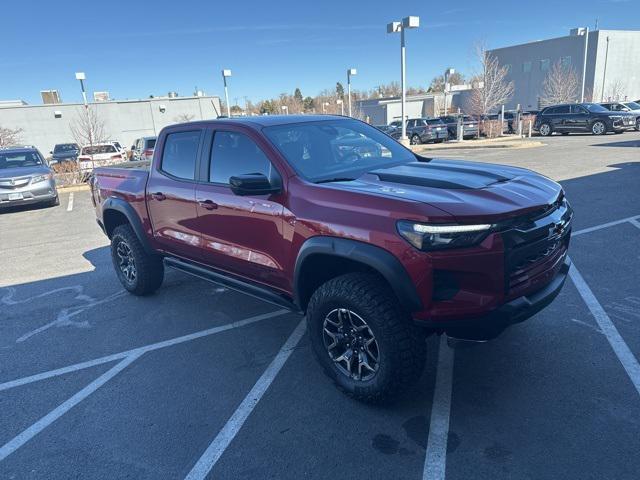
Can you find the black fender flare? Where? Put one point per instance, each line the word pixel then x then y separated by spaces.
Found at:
pixel 121 206
pixel 379 259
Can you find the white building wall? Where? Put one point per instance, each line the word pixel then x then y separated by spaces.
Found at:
pixel 124 120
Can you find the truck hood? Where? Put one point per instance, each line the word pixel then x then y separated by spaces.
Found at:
pixel 467 190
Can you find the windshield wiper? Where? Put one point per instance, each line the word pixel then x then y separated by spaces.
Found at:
pixel 337 179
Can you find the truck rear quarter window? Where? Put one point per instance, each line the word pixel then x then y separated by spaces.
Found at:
pixel 180 153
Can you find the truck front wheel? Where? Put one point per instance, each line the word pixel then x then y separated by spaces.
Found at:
pixel 363 339
pixel 139 272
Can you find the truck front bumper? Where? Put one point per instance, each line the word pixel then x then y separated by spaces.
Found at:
pixel 492 324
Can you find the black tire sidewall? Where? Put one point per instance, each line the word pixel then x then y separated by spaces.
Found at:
pixel 548 134
pixel 391 327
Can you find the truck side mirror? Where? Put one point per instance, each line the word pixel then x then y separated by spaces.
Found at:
pixel 252 184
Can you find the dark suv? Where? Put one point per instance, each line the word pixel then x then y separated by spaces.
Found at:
pixel 426 130
pixel 582 117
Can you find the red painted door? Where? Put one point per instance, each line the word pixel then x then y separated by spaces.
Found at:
pixel 171 191
pixel 241 234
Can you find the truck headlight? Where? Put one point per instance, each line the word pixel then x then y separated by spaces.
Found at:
pixel 437 237
pixel 41 178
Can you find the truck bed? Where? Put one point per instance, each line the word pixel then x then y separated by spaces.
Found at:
pixel 126 180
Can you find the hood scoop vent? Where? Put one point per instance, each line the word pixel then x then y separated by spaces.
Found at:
pixel 438 174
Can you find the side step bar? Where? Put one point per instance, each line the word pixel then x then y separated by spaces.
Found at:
pixel 256 291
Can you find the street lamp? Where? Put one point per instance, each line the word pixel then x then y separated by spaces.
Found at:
pixel 584 63
pixel 395 27
pixel 447 75
pixel 350 72
pixel 81 76
pixel 324 107
pixel 225 74
pixel 341 103
pixel 285 109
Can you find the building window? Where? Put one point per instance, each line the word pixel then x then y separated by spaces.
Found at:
pixel 565 61
pixel 544 64
pixel 526 67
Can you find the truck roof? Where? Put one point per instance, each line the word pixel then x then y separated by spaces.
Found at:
pixel 269 120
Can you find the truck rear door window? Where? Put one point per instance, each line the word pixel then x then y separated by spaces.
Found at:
pixel 180 153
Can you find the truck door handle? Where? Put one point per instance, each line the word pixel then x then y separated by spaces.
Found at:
pixel 208 204
pixel 158 196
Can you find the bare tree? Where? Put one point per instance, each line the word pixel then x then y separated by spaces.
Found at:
pixel 10 136
pixel 492 88
pixel 615 90
pixel 184 117
pixel 88 128
pixel 560 85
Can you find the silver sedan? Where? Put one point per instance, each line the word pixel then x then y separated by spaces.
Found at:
pixel 25 178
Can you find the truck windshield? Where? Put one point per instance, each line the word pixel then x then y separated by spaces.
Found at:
pixel 336 149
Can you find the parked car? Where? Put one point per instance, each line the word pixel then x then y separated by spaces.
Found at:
pixel 142 149
pixel 426 130
pixel 470 126
pixel 377 251
pixel 98 155
pixel 582 117
pixel 628 107
pixel 64 152
pixel 25 178
pixel 388 129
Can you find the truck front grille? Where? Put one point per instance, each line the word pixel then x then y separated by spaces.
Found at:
pixel 535 245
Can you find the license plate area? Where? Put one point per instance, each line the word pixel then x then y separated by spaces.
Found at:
pixel 15 196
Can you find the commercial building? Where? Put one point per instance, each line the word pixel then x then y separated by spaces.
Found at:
pixel 45 125
pixel 612 67
pixel 382 111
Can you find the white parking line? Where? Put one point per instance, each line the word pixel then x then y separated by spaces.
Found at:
pixel 605 225
pixel 70 205
pixel 435 461
pixel 140 350
pixel 219 444
pixel 26 435
pixel 620 348
pixel 635 223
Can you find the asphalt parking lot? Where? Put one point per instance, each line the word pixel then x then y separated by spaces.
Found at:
pixel 202 382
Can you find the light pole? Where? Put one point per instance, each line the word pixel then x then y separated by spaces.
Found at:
pixel 341 103
pixel 584 63
pixel 225 74
pixel 350 72
pixel 285 109
pixel 604 73
pixel 447 75
pixel 81 76
pixel 395 27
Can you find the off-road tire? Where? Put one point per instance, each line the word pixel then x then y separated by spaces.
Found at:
pixel 402 348
pixel 149 270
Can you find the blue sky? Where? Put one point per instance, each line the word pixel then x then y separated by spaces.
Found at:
pixel 133 50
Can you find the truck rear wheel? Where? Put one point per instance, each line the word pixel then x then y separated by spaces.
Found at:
pixel 363 339
pixel 139 272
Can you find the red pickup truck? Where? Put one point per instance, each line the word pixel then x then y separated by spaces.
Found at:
pixel 330 217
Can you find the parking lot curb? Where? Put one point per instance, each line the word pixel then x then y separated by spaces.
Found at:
pixel 471 145
pixel 73 188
